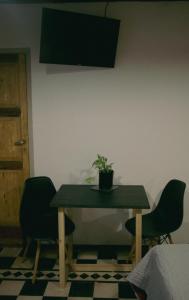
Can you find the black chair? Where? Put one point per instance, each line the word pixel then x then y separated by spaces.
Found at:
pixel 165 218
pixel 39 221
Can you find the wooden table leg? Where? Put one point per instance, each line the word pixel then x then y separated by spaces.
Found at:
pixel 138 235
pixel 61 233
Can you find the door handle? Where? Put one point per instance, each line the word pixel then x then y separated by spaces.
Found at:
pixel 20 142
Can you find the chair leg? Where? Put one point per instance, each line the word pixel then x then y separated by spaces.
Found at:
pixel 166 238
pixel 70 248
pixel 170 239
pixel 153 242
pixel 132 250
pixel 150 244
pixel 28 241
pixel 36 261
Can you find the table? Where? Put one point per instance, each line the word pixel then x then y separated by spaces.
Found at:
pixel 83 196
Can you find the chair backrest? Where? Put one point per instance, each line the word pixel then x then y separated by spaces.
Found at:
pixel 36 197
pixel 169 211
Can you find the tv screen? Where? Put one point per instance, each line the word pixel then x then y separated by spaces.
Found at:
pixel 78 39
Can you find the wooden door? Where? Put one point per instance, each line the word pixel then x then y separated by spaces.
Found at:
pixel 14 159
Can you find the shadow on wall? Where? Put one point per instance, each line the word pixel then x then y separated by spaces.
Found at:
pixel 62 69
pixel 91 177
pixel 181 235
pixel 101 226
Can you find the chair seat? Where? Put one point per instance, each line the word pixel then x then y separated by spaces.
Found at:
pixel 149 227
pixel 48 228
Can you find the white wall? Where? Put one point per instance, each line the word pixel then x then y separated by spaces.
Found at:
pixel 136 114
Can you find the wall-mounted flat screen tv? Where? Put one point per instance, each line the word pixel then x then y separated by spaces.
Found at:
pixel 78 39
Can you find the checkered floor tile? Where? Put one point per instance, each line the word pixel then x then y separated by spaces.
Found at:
pixel 15 276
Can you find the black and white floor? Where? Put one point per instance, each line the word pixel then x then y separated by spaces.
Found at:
pixel 16 273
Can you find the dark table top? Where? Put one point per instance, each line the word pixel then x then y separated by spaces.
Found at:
pixel 125 196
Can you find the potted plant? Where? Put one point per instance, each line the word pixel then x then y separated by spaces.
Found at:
pixel 105 172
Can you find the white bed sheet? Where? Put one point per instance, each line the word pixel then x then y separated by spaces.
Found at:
pixel 163 273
